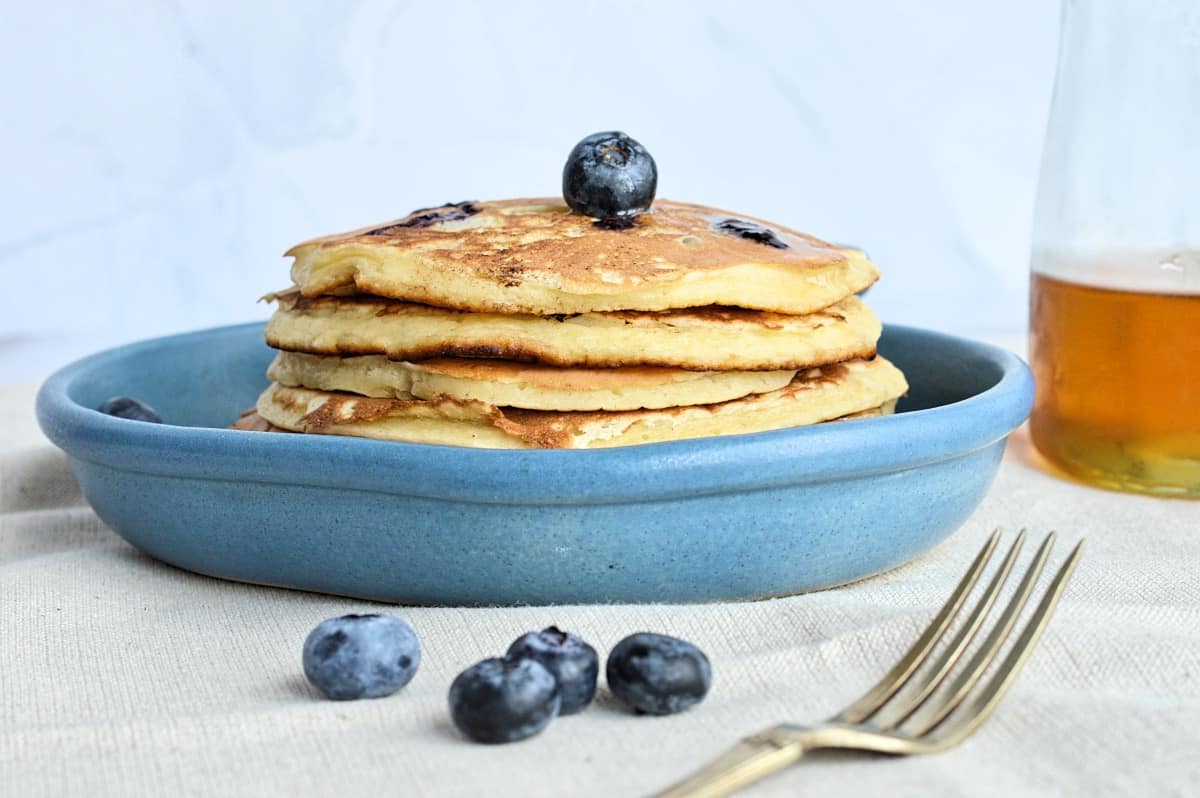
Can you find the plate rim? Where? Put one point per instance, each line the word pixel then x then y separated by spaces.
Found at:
pixel 639 473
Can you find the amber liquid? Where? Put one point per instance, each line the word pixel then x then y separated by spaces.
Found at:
pixel 1118 385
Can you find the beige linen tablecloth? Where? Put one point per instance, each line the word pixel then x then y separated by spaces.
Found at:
pixel 122 676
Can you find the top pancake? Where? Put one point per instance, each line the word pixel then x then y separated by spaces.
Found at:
pixel 536 256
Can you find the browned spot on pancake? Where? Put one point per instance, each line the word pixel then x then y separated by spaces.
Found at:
pixel 251 421
pixel 720 314
pixel 538 433
pixel 294 300
pixel 496 351
pixel 338 409
pixel 510 276
pixel 832 373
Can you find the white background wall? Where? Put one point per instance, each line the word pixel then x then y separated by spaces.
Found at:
pixel 157 157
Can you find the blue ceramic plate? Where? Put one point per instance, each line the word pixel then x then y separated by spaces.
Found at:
pixel 737 517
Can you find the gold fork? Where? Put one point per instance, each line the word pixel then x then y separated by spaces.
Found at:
pixel 906 713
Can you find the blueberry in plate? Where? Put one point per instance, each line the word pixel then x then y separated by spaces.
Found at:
pixel 658 675
pixel 610 177
pixel 503 700
pixel 130 408
pixel 572 661
pixel 361 656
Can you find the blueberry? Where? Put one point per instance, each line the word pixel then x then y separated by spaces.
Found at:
pixel 504 700
pixel 657 674
pixel 573 662
pixel 609 176
pixel 427 217
pixel 128 407
pixel 751 231
pixel 361 656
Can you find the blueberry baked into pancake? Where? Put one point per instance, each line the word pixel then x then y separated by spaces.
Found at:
pixel 609 319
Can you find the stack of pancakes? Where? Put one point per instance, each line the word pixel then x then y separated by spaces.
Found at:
pixel 520 324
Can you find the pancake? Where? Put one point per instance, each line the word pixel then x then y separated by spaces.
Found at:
pixel 815 395
pixel 536 256
pixel 702 339
pixel 530 386
pixel 251 421
pixel 885 409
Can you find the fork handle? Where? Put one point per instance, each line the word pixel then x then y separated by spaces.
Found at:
pixel 754 758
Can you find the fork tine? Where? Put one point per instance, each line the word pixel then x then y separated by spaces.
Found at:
pixel 982 706
pixel 934 712
pixel 894 679
pixel 894 711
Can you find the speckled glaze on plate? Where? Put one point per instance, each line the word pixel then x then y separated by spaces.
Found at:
pixel 737 517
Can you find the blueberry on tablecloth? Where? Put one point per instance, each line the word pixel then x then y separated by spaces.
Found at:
pixel 504 700
pixel 657 674
pixel 572 661
pixel 361 656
